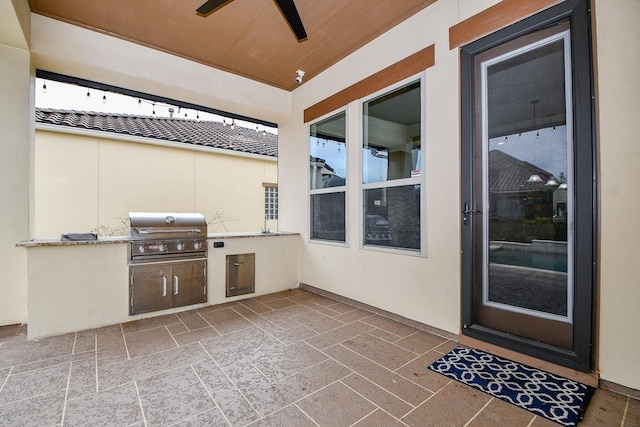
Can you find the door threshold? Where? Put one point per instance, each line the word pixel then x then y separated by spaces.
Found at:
pixel 588 378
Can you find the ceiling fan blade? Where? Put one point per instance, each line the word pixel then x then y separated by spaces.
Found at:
pixel 211 6
pixel 290 13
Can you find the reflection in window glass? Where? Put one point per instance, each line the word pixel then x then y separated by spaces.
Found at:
pixel 391 147
pixel 327 216
pixel 391 169
pixel 328 171
pixel 392 217
pixel 328 154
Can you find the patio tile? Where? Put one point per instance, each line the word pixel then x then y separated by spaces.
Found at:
pixel 341 307
pixel 34 383
pixel 385 400
pixel 286 318
pixel 21 352
pixel 386 354
pixel 54 361
pixel 4 373
pixel 632 417
pixel 42 410
pixel 149 341
pixel 605 409
pixel 500 413
pixel 287 360
pixel 353 315
pixel 323 360
pixel 149 323
pixel 279 304
pixel 389 325
pixel 291 416
pixel 418 371
pixel 244 344
pixel 192 320
pixel 173 396
pixel 385 335
pixel 294 334
pixel 225 320
pixel 110 345
pixel 256 306
pixel 439 410
pixel 212 417
pixel 85 341
pixel 260 321
pixel 195 336
pixel 319 322
pixel 271 397
pixel 246 376
pixel 420 342
pixel 179 328
pixel 446 347
pixel 379 419
pixel 17 332
pixel 149 365
pixel 82 379
pixel 338 335
pixel 392 382
pixel 116 406
pixel 235 407
pixel 336 405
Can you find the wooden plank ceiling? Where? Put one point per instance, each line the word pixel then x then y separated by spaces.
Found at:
pixel 246 37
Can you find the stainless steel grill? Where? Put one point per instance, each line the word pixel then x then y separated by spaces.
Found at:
pixel 157 236
pixel 167 260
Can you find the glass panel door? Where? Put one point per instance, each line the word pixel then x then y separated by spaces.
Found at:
pixel 527 186
pixel 524 146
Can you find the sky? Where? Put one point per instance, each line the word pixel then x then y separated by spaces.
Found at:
pixel 71 97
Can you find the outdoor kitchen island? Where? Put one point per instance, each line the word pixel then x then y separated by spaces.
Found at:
pixel 77 285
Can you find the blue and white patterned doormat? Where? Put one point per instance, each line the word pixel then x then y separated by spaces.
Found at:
pixel 547 395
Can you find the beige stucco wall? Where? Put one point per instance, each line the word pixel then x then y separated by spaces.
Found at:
pixel 15 137
pixel 86 182
pixel 618 50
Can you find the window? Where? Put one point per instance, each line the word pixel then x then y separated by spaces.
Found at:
pixel 392 168
pixel 270 201
pixel 328 171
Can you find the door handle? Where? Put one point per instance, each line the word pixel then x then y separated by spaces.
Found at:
pixel 466 212
pixel 164 286
pixel 175 285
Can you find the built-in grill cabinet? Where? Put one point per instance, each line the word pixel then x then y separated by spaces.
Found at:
pixel 167 261
pixel 160 286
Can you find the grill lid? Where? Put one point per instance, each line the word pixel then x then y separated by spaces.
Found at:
pixel 167 225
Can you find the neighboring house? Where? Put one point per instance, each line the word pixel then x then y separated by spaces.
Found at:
pixel 92 169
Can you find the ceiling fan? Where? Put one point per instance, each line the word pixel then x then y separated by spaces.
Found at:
pixel 287 8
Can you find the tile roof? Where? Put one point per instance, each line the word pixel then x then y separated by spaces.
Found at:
pixel 508 174
pixel 196 132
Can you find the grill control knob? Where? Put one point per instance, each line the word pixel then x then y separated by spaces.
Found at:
pixel 142 248
pixel 197 245
pixel 161 247
pixel 180 246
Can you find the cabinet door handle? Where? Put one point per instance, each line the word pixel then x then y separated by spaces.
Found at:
pixel 175 285
pixel 164 286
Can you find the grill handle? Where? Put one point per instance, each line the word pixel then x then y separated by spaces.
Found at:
pixel 188 230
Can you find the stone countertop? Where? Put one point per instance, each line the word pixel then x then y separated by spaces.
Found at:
pixel 125 239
